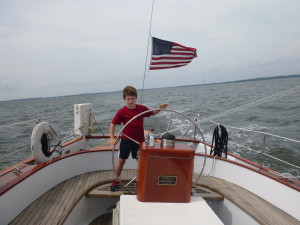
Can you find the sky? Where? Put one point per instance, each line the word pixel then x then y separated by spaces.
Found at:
pixel 63 47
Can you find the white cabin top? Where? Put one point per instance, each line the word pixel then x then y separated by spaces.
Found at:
pixel 134 212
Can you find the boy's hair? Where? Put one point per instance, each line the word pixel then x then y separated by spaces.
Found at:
pixel 129 91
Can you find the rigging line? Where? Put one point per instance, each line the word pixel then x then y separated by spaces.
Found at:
pixel 246 106
pixel 245 147
pixel 2 157
pixel 8 125
pixel 259 152
pixel 260 132
pixel 67 132
pixel 57 115
pixel 13 124
pixel 255 103
pixel 280 160
pixel 147 52
pixel 285 175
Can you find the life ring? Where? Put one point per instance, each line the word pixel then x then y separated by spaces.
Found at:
pixel 45 143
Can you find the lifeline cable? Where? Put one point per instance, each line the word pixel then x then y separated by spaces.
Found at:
pixel 38 119
pixel 21 148
pixel 259 132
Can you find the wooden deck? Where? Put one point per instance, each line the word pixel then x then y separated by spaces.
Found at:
pixel 259 209
pixel 54 206
pixel 106 219
pixel 104 191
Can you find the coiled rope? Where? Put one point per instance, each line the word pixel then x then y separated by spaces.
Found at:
pixel 219 141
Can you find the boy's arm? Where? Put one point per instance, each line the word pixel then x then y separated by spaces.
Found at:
pixel 162 106
pixel 112 139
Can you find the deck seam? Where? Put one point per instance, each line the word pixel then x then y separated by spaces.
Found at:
pixel 64 197
pixel 258 208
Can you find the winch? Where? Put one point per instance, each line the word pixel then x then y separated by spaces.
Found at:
pixel 167 141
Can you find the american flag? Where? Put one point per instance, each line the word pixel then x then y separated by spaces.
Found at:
pixel 167 54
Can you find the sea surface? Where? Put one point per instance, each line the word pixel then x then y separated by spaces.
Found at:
pixel 279 117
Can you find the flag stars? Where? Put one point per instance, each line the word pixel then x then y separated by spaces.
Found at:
pixel 161 46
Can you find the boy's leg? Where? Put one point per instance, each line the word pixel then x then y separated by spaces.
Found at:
pixel 125 149
pixel 119 168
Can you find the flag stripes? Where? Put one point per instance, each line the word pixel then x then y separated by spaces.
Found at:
pixel 166 54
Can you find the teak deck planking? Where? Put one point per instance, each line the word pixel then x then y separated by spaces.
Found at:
pixel 55 206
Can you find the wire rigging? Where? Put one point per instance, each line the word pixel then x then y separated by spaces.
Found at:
pixel 243 107
pixel 37 119
pixel 255 103
pixel 149 36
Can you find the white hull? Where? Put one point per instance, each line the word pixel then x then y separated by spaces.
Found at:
pixel 60 170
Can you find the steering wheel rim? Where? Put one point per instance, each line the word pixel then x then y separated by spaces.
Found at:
pixel 169 110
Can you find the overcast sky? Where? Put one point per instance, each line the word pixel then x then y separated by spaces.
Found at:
pixel 63 47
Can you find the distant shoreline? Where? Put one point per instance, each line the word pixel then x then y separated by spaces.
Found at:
pixel 225 82
pixel 265 78
pixel 229 82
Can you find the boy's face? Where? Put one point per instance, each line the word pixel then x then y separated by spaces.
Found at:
pixel 130 101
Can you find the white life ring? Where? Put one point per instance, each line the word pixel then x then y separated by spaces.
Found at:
pixel 45 143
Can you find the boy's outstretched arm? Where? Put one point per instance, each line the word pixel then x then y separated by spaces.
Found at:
pixel 112 139
pixel 162 106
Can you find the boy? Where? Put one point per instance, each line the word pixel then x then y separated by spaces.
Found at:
pixel 134 130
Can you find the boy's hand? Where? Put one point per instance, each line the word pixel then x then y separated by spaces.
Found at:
pixel 163 106
pixel 112 141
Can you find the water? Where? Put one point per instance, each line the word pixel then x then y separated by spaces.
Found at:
pixel 280 117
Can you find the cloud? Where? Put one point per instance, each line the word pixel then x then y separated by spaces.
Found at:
pixel 51 48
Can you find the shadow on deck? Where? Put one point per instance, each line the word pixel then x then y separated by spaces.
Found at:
pixel 55 206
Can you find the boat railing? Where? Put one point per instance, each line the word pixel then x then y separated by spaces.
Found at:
pixel 188 129
pixel 66 135
pixel 263 153
pixel 36 120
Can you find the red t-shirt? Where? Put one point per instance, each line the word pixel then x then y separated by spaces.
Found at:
pixel 135 129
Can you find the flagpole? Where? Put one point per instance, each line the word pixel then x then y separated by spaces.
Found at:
pixel 149 36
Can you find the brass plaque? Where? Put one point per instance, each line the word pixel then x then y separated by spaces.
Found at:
pixel 167 180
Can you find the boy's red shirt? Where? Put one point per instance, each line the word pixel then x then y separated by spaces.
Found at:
pixel 135 129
